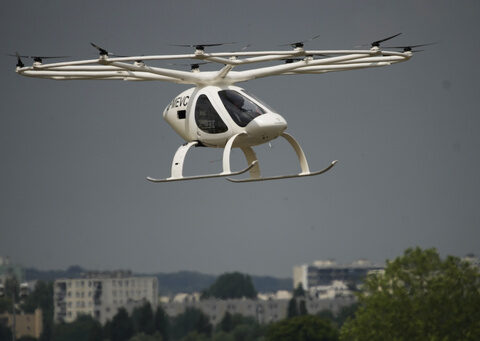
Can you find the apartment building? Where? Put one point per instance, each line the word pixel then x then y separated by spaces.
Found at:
pixel 101 294
pixel 326 272
pixel 265 309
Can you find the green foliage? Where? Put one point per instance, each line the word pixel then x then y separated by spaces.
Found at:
pixel 143 319
pixel 145 337
pixel 162 324
pixel 223 336
pixel 292 309
pixel 299 292
pixel 5 304
pixel 231 285
pixel 237 327
pixel 5 332
pixel 296 307
pixel 302 328
pixel 41 297
pixel 339 319
pixel 229 322
pixel 192 320
pixel 302 308
pixel 196 336
pixel 84 328
pixel 12 287
pixel 419 297
pixel 121 327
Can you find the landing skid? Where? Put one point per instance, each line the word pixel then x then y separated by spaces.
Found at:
pixel 252 161
pixel 206 176
pixel 286 176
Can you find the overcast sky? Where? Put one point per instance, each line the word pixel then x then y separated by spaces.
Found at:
pixel 75 154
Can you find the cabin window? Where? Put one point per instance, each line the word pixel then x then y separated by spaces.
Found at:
pixel 181 114
pixel 241 109
pixel 207 118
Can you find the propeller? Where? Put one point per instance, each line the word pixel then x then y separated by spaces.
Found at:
pixel 104 52
pixel 37 59
pixel 411 48
pixel 202 46
pixel 19 60
pixel 300 44
pixel 377 43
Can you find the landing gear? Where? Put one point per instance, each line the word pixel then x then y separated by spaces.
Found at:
pixel 179 158
pixel 253 167
pixel 255 171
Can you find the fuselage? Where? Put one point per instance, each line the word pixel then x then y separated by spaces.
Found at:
pixel 213 114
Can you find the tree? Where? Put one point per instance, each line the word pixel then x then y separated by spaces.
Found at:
pixel 192 320
pixel 162 325
pixel 42 297
pixel 302 328
pixel 195 336
pixel 121 327
pixel 302 307
pixel 84 328
pixel 231 285
pixel 299 291
pixel 144 337
pixel 419 297
pixel 340 317
pixel 226 324
pixel 292 309
pixel 143 319
pixel 238 326
pixel 5 332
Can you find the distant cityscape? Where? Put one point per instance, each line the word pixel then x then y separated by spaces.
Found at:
pixel 328 286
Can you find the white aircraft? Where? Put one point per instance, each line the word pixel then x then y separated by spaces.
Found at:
pixel 216 113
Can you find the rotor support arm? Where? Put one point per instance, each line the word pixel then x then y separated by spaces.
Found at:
pixel 133 68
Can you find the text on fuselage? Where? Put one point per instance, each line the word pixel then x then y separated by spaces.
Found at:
pixel 180 101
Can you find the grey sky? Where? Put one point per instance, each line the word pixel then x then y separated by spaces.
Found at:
pixel 75 154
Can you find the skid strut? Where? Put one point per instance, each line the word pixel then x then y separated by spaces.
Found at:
pixel 255 171
pixel 179 159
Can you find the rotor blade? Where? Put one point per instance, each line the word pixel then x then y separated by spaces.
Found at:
pixel 300 43
pixel 102 51
pixel 202 46
pixel 411 47
pixel 35 57
pixel 19 61
pixel 377 43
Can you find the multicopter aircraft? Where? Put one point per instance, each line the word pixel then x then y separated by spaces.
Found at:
pixel 215 112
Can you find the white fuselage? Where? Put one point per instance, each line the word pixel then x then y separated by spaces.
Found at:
pixel 213 114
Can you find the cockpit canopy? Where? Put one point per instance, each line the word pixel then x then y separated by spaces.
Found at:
pixel 241 109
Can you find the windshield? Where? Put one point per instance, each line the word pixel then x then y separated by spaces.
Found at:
pixel 241 109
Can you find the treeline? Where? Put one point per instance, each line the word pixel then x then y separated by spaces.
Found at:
pixel 192 325
pixel 168 283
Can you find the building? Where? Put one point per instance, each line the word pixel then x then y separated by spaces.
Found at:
pixel 267 308
pixel 325 273
pixel 101 294
pixel 28 325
